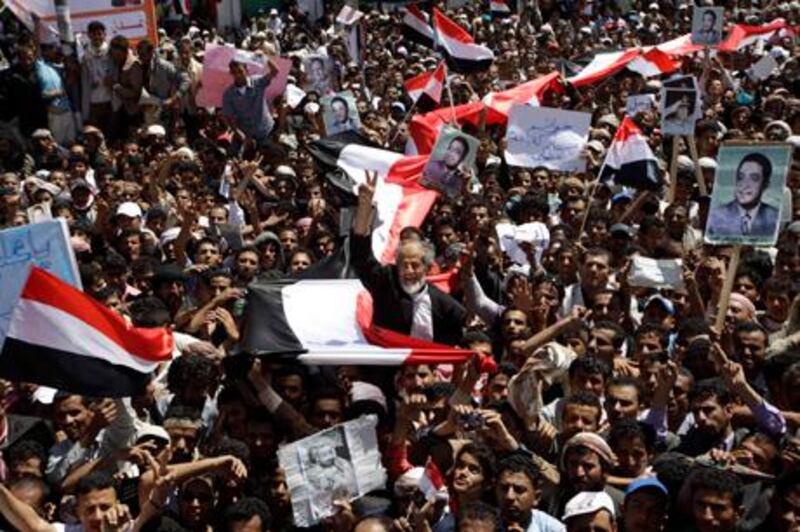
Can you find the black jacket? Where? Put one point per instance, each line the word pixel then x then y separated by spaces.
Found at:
pixel 392 307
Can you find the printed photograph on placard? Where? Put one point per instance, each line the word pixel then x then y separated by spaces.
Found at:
pixel 678 111
pixel 452 162
pixel 748 194
pixel 319 74
pixel 707 25
pixel 339 112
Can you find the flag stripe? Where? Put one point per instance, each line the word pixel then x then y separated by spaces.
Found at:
pixel 149 345
pixel 417 27
pixel 630 161
pixel 50 327
pixel 266 329
pixel 462 54
pixel 332 304
pixel 26 362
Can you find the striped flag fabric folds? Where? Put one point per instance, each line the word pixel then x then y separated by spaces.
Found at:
pixel 427 84
pixel 62 338
pixel 329 321
pixel 461 52
pixel 630 161
pixel 499 8
pixel 417 26
pixel 400 199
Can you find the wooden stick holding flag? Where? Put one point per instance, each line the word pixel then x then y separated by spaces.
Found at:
pixel 698 172
pixel 727 288
pixel 673 169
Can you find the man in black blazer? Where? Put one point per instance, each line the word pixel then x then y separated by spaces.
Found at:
pixel 403 300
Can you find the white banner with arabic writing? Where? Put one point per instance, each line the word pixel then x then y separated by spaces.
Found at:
pixel 543 136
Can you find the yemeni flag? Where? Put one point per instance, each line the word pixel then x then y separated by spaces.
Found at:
pixel 499 8
pixel 417 26
pixel 461 52
pixel 649 63
pixel 60 337
pixel 400 199
pixel 744 35
pixel 427 84
pixel 329 322
pixel 630 161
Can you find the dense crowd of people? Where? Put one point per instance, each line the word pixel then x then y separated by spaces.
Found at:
pixel 613 407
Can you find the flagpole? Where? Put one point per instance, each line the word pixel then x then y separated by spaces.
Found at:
pixel 450 97
pixel 405 117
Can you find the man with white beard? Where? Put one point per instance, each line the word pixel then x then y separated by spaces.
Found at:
pixel 403 300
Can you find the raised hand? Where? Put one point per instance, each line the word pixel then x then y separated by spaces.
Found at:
pixel 366 190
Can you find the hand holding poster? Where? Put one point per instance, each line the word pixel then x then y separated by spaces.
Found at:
pixel 216 73
pixel 452 162
pixel 680 105
pixel 542 136
pixel 707 25
pixel 639 103
pixel 340 463
pixel 319 75
pixel 339 112
pixel 748 194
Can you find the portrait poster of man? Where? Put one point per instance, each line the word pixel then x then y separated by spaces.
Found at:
pixel 707 23
pixel 339 112
pixel 748 194
pixel 452 162
pixel 319 76
pixel 339 463
pixel 678 111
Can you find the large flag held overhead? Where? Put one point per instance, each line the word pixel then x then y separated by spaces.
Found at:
pixel 62 338
pixel 400 199
pixel 417 26
pixel 324 322
pixel 461 52
pixel 427 84
pixel 743 35
pixel 630 161
pixel 648 63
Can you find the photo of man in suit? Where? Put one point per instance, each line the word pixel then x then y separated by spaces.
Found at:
pixel 747 215
pixel 706 32
pixel 446 174
pixel 338 118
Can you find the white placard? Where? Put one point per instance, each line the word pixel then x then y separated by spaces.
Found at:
pixel 656 273
pixel 542 136
pixel 339 463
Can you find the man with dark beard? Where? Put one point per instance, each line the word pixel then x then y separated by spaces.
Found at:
pixel 403 301
pixel 518 493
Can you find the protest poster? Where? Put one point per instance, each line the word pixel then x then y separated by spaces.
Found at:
pixel 763 68
pixel 707 25
pixel 748 194
pixel 513 237
pixel 679 111
pixel 44 244
pixel 542 136
pixel 319 75
pixel 452 162
pixel 216 73
pixel 342 462
pixel 339 113
pixel 639 103
pixel 134 19
pixel 656 273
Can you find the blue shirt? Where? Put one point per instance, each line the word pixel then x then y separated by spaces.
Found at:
pixel 248 108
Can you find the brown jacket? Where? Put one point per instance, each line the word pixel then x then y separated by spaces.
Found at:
pixel 128 84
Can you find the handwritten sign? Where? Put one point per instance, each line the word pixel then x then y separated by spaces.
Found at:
pixel 43 244
pixel 763 68
pixel 134 20
pixel 217 77
pixel 542 136
pixel 511 236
